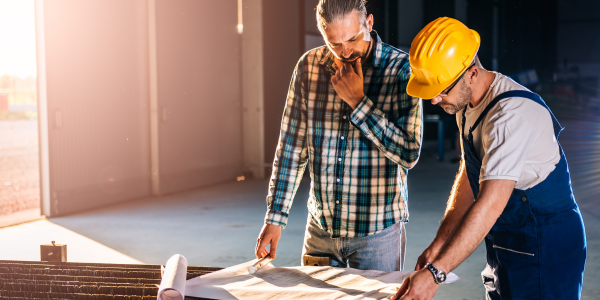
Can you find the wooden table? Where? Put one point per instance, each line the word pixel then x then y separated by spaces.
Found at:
pixel 55 280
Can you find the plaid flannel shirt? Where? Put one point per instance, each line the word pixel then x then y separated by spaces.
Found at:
pixel 358 159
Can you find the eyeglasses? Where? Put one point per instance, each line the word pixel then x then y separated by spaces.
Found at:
pixel 445 93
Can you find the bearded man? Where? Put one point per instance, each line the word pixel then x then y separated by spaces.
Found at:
pixel 348 119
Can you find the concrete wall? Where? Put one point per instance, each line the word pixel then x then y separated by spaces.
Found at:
pixel 97 90
pixel 282 47
pixel 312 35
pixel 579 36
pixel 95 85
pixel 410 21
pixel 199 97
pixel 253 89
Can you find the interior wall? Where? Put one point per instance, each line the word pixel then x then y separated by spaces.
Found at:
pixel 410 21
pixel 97 90
pixel 385 19
pixel 97 85
pixel 579 36
pixel 253 89
pixel 282 34
pixel 199 98
pixel 312 35
pixel 578 75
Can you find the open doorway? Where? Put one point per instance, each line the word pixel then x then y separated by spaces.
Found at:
pixel 19 150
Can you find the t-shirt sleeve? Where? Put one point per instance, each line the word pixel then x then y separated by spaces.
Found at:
pixel 508 136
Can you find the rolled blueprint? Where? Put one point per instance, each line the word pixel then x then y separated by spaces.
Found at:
pixel 172 285
pixel 259 264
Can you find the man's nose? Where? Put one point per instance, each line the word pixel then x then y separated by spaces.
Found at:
pixel 346 51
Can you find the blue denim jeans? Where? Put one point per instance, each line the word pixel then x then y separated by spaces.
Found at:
pixel 383 251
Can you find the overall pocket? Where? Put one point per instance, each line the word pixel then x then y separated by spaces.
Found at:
pixel 518 264
pixel 511 250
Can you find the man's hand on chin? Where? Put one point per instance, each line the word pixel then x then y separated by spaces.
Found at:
pixel 348 83
pixel 418 286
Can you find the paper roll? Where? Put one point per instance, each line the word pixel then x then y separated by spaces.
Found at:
pixel 172 285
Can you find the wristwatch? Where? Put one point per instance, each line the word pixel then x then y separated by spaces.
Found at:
pixel 439 276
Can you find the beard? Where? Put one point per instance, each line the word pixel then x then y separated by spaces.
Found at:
pixel 464 97
pixel 349 59
pixel 354 57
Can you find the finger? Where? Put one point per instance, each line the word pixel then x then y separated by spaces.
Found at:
pixel 273 248
pixel 419 264
pixel 333 80
pixel 258 243
pixel 274 245
pixel 348 69
pixel 358 67
pixel 261 248
pixel 403 288
pixel 338 75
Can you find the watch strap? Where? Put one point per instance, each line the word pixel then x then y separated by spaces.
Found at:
pixel 436 273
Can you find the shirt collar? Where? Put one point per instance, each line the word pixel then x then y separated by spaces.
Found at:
pixel 373 60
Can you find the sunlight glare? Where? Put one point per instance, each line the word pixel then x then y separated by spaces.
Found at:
pixel 17 36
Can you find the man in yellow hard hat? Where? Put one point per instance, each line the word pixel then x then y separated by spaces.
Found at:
pixel 513 188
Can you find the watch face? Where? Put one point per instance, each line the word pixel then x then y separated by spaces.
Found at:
pixel 441 277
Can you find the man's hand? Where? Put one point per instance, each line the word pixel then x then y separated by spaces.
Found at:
pixel 348 83
pixel 418 286
pixel 269 234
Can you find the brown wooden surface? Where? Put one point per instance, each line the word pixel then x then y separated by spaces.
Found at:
pixel 65 280
pixel 53 252
pixel 316 260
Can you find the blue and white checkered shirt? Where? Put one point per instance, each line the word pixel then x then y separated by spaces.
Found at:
pixel 358 159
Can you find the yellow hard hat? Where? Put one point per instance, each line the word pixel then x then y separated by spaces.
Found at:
pixel 439 54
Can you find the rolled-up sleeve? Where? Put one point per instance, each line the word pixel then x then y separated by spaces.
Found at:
pixel 400 139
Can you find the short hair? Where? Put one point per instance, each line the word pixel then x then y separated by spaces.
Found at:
pixel 478 62
pixel 329 11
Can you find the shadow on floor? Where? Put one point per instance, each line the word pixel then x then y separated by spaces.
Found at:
pixel 217 226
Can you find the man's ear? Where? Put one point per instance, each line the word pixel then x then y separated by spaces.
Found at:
pixel 473 74
pixel 370 22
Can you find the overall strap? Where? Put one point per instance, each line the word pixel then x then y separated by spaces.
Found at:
pixel 484 113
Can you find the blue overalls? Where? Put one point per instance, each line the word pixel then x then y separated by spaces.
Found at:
pixel 537 247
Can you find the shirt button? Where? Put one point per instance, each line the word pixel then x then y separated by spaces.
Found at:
pixel 344 117
pixel 339 159
pixel 337 202
pixel 342 137
pixel 523 199
pixel 338 180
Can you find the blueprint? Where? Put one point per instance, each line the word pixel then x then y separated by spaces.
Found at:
pixel 307 282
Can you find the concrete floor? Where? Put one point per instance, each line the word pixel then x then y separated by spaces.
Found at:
pixel 218 226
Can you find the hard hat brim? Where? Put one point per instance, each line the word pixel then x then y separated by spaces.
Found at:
pixel 424 91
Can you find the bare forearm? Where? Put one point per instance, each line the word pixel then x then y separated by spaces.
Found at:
pixel 459 202
pixel 476 223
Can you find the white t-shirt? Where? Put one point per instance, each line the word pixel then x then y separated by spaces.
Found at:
pixel 515 141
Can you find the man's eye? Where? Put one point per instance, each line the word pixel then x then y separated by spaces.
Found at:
pixel 333 46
